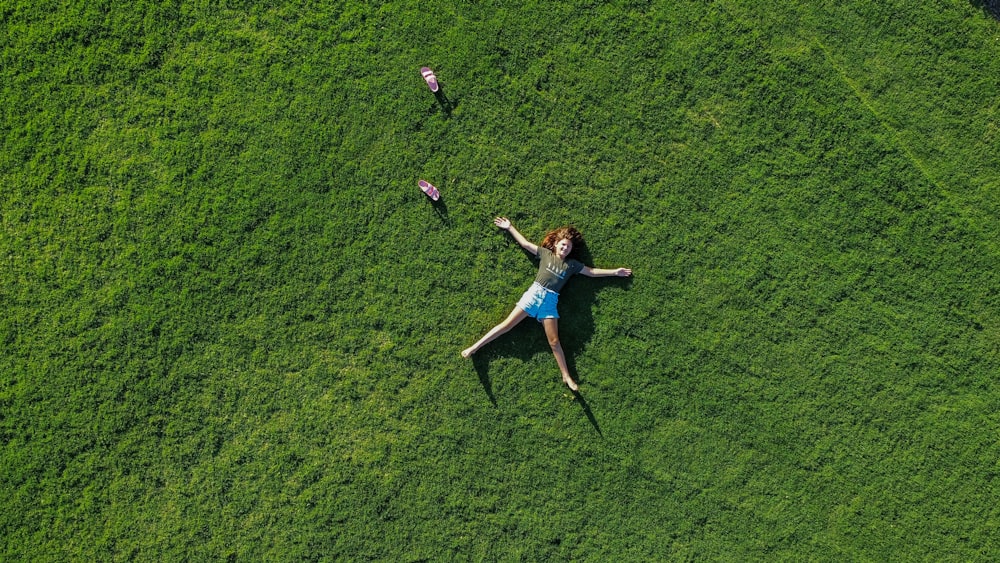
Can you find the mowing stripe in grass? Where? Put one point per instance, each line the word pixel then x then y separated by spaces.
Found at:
pixel 870 106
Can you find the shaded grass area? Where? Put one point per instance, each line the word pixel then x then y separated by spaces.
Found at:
pixel 233 322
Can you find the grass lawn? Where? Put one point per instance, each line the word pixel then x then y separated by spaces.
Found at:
pixel 232 322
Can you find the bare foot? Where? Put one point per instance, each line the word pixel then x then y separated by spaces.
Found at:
pixel 467 353
pixel 569 382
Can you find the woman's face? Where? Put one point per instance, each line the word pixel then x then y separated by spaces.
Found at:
pixel 563 248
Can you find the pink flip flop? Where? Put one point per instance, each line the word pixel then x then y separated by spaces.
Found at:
pixel 428 189
pixel 429 77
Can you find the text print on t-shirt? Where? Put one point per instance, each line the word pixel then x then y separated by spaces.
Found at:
pixel 555 269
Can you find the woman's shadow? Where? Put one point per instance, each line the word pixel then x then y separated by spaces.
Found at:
pixel 576 328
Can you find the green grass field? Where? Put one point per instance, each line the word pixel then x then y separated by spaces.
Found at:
pixel 232 322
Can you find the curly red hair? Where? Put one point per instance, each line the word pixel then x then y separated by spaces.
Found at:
pixel 567 232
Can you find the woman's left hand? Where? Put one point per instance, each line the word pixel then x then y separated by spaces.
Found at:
pixel 623 272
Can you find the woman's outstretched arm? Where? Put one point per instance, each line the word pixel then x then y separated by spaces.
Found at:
pixel 505 224
pixel 601 273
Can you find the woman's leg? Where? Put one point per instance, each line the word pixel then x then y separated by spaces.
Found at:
pixel 552 333
pixel 515 316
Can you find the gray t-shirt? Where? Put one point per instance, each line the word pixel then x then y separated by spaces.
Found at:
pixel 554 272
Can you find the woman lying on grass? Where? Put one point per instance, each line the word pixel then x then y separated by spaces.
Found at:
pixel 540 300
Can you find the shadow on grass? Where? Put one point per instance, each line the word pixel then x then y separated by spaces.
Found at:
pixel 576 328
pixel 991 7
pixel 588 412
pixel 516 347
pixel 482 368
pixel 441 208
pixel 446 103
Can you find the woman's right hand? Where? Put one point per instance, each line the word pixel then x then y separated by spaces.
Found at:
pixel 502 222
